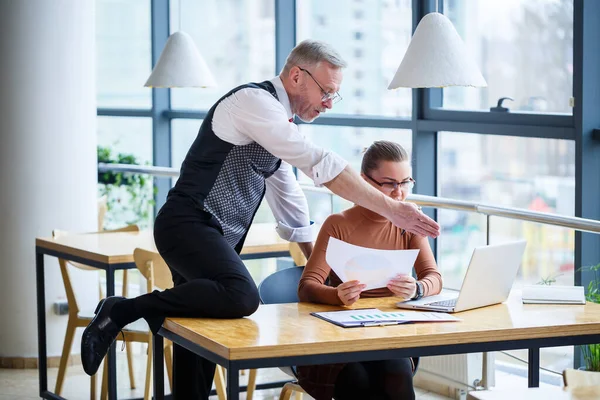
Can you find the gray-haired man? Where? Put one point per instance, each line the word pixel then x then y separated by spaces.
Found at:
pixel 244 151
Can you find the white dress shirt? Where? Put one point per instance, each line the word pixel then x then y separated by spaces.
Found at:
pixel 254 115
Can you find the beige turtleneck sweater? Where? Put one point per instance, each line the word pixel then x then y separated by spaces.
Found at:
pixel 365 228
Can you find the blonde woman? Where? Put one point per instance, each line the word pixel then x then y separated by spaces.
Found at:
pixel 386 167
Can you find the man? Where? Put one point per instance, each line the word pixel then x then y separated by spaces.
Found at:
pixel 244 151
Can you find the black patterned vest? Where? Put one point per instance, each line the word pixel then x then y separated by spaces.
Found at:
pixel 224 179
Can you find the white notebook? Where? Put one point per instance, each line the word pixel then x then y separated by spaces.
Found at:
pixel 553 294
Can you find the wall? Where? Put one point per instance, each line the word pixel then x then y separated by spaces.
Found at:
pixel 47 156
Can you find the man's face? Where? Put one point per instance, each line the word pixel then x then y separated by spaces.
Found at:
pixel 315 85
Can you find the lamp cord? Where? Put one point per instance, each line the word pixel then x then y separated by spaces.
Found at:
pixel 179 16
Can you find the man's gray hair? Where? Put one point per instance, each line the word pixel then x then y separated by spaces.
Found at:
pixel 311 53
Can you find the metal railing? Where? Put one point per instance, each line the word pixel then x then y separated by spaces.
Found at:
pixel 580 224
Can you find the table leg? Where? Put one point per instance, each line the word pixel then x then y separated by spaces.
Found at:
pixel 41 316
pixel 534 367
pixel 233 381
pixel 158 364
pixel 112 353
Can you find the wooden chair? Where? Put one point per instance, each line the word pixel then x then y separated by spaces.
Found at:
pixel 289 389
pixel 574 378
pixel 157 274
pixel 102 209
pixel 78 318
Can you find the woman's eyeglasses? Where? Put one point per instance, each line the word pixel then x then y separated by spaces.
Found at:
pixel 407 184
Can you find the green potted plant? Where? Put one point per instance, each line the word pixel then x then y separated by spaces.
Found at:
pixel 116 178
pixel 591 352
pixel 130 196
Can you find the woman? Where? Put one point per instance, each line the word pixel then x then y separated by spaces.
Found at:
pixel 386 167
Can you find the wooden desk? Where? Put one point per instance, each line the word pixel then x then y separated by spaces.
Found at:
pixel 285 334
pixel 556 393
pixel 114 251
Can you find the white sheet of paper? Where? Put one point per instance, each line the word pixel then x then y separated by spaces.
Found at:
pixel 372 267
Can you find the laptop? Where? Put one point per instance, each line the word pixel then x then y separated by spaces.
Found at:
pixel 488 280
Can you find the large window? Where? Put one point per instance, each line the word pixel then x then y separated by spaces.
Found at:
pixel 527 173
pixel 372 37
pixel 532 174
pixel 524 49
pixel 123 53
pixel 236 38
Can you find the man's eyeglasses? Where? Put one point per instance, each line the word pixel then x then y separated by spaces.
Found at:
pixel 333 96
pixel 407 184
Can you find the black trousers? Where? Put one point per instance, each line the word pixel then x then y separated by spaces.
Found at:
pixel 210 281
pixel 376 380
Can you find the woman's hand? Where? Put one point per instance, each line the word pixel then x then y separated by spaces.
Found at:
pixel 349 292
pixel 404 286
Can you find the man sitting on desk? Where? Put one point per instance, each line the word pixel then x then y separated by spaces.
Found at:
pixel 244 151
pixel 386 167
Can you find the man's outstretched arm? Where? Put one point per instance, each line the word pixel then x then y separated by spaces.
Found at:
pixel 349 185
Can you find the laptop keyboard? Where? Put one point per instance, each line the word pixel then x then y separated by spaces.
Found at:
pixel 444 303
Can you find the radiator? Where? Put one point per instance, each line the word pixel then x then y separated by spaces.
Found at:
pixel 453 375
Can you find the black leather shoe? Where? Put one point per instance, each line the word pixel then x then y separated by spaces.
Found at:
pixel 99 335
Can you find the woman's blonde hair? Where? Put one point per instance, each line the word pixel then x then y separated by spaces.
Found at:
pixel 382 150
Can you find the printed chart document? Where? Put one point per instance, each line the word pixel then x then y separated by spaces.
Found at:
pixel 372 267
pixel 376 317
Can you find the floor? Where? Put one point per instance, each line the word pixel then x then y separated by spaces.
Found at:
pixel 23 384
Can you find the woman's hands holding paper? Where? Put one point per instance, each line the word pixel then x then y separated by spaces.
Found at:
pixel 349 292
pixel 404 286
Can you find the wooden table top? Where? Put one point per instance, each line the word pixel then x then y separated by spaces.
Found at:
pixel 543 393
pixel 116 248
pixel 288 330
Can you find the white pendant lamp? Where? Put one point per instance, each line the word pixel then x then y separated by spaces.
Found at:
pixel 180 65
pixel 436 57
